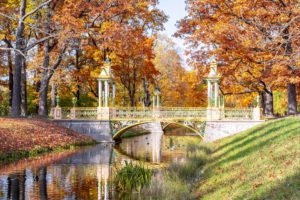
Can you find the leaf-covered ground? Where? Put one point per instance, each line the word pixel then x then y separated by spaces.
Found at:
pixel 32 134
pixel 261 163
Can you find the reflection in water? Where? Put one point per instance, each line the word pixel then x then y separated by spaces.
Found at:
pixel 88 173
pixel 144 147
pixel 84 175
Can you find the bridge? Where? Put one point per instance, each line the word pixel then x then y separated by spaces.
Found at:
pixel 108 122
pixel 122 119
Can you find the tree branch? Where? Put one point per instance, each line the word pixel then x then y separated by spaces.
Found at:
pixel 36 9
pixel 58 61
pixel 12 49
pixel 40 41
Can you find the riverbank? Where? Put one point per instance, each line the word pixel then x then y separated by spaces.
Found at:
pixel 23 138
pixel 261 163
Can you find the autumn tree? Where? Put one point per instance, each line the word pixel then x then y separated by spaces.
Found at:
pixel 20 47
pixel 76 35
pixel 179 86
pixel 123 31
pixel 249 40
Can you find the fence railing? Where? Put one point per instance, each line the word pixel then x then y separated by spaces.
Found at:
pixel 238 114
pixel 166 113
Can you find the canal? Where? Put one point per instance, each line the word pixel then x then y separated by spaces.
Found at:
pixel 88 172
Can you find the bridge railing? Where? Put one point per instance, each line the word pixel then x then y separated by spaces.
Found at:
pixel 166 113
pixel 162 113
pixel 238 114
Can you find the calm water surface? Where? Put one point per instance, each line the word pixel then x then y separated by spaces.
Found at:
pixel 87 173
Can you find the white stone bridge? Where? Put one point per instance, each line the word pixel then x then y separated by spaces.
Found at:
pixel 116 121
pixel 107 122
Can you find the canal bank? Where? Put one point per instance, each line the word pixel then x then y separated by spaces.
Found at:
pixel 23 138
pixel 260 163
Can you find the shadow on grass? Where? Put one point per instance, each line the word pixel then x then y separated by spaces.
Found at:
pixel 286 189
pixel 239 138
pixel 256 136
pixel 251 143
pixel 250 133
pixel 254 148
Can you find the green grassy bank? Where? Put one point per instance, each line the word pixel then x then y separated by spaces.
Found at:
pixel 261 163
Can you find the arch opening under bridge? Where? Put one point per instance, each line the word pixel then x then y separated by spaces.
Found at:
pixel 119 128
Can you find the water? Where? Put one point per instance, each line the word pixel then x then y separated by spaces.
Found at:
pixel 87 173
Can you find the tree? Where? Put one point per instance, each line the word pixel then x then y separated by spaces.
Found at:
pixel 20 50
pixel 179 87
pixel 246 38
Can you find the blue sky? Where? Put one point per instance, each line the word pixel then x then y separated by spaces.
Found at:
pixel 175 9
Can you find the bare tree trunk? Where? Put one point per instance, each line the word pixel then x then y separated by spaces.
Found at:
pixel 269 109
pixel 24 90
pixel 147 99
pixel 16 100
pixel 10 77
pixel 292 99
pixel 291 88
pixel 37 90
pixel 43 109
pixel 262 101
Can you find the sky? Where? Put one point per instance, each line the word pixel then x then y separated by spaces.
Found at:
pixel 175 10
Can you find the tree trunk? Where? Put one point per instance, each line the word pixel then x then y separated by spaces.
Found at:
pixel 269 109
pixel 37 90
pixel 262 101
pixel 43 108
pixel 291 88
pixel 292 99
pixel 147 99
pixel 10 77
pixel 132 101
pixel 16 100
pixel 23 90
pixel 53 95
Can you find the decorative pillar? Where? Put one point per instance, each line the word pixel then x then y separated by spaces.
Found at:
pixel 114 94
pixel 105 78
pixel 100 93
pixel 106 91
pixel 256 110
pixel 73 110
pixel 213 107
pixel 209 93
pixel 57 109
pixel 216 93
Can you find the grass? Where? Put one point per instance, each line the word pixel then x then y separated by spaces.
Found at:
pixel 24 138
pixel 6 158
pixel 261 163
pixel 131 178
pixel 178 180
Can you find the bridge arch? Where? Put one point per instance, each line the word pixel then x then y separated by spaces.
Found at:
pixel 123 129
pixel 183 126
